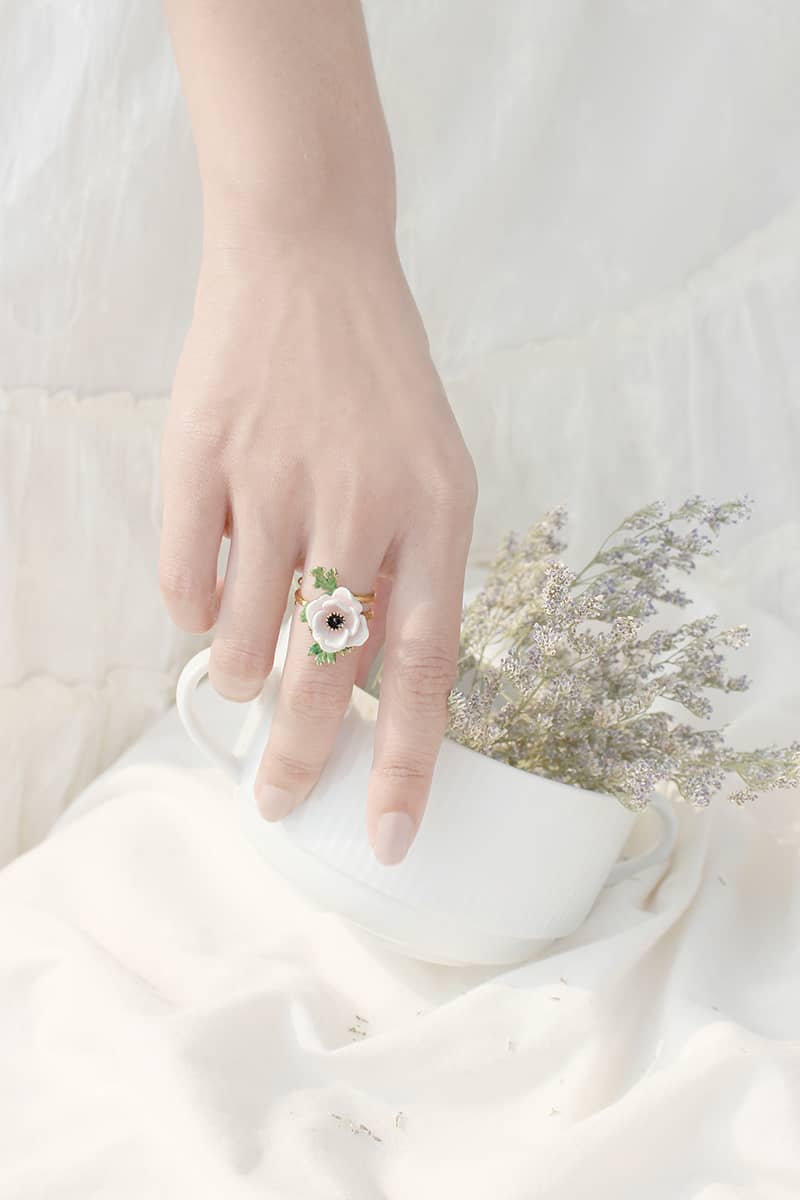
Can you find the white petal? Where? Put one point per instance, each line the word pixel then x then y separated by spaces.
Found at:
pixel 333 639
pixel 319 626
pixel 343 595
pixel 361 634
pixel 313 607
pixel 351 619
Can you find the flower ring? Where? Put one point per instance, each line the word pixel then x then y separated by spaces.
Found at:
pixel 337 619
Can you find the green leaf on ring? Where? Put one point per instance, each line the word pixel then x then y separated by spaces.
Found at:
pixel 303 616
pixel 319 655
pixel 325 578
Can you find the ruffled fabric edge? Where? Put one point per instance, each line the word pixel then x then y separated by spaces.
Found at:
pixel 104 405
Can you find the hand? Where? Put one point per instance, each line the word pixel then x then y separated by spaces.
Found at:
pixel 308 423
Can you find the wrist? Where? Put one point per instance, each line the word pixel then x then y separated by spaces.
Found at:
pixel 281 204
pixel 336 268
pixel 243 240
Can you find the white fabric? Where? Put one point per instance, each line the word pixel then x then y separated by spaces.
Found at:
pixel 87 654
pixel 599 213
pixel 176 1021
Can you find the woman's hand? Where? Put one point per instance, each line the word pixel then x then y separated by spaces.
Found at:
pixel 308 421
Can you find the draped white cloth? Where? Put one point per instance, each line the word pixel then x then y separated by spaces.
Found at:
pixel 178 1022
pixel 599 213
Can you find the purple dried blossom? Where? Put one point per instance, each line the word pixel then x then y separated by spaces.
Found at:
pixel 557 674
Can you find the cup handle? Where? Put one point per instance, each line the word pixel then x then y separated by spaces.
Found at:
pixel 195 670
pixel 661 851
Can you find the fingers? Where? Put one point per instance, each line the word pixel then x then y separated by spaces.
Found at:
pixel 257 581
pixel 313 696
pixel 377 630
pixel 419 670
pixel 195 511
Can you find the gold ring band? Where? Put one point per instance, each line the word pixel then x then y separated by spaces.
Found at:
pixel 365 598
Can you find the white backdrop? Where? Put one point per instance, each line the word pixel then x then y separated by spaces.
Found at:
pixel 600 217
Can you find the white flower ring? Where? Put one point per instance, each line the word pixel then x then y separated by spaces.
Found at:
pixel 337 620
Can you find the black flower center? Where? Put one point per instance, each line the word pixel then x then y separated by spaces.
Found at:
pixel 335 620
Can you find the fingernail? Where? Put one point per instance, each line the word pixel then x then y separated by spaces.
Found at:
pixel 394 835
pixel 274 803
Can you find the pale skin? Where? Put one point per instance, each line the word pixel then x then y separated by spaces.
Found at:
pixel 307 420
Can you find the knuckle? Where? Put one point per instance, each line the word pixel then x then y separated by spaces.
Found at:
pixel 403 770
pixel 239 660
pixel 177 581
pixel 196 429
pixel 187 596
pixel 175 585
pixel 191 458
pixel 289 767
pixel 204 437
pixel 452 484
pixel 425 674
pixel 317 696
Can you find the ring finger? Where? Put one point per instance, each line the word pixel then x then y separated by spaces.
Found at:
pixel 315 689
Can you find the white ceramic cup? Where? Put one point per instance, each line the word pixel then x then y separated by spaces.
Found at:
pixel 504 861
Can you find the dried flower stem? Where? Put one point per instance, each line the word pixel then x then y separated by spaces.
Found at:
pixel 557 675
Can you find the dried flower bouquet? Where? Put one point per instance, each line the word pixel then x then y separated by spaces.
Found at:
pixel 562 673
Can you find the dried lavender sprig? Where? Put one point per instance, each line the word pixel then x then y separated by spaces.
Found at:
pixel 543 688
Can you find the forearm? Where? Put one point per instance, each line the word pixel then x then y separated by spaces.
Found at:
pixel 290 133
